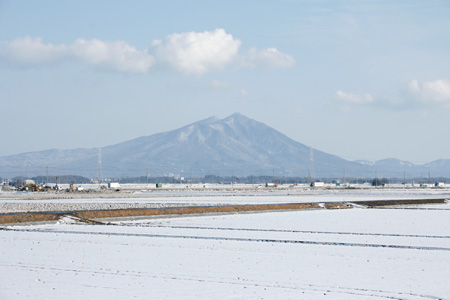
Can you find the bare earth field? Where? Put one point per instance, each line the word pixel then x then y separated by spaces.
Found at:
pixel 396 252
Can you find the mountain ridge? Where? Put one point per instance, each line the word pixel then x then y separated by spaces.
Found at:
pixel 212 146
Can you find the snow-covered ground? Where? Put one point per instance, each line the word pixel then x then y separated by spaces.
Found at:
pixel 389 253
pixel 24 202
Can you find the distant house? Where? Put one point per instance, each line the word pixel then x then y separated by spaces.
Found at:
pixel 114 185
pixel 317 184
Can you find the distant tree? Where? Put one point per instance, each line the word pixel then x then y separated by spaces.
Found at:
pixel 18 181
pixel 379 181
pixel 62 179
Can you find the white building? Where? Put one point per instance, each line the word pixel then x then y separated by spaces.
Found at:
pixel 114 185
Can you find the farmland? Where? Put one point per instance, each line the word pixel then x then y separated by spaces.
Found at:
pixel 393 252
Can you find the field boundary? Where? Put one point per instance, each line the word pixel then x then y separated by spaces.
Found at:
pixel 33 217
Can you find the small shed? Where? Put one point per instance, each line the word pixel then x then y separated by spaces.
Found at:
pixel 114 185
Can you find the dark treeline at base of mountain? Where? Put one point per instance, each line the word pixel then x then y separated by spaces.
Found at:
pixel 75 179
pixel 53 179
pixel 279 180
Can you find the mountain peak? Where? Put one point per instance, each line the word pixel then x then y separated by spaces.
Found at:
pixel 234 118
pixel 209 120
pixel 237 118
pixel 238 115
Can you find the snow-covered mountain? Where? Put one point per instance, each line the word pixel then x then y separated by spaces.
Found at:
pixel 235 145
pixel 392 167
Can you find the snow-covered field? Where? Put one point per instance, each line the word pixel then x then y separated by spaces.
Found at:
pixel 389 253
pixel 26 202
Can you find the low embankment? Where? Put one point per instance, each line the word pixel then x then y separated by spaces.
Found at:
pixel 120 213
pixel 384 203
pixel 14 218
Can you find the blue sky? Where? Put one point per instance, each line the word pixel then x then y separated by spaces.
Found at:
pixel 359 79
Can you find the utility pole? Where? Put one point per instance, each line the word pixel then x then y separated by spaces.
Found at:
pixel 311 164
pixel 147 178
pixel 232 178
pixel 99 167
pixel 376 178
pixel 46 182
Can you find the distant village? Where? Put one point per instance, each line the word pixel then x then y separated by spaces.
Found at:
pixel 74 183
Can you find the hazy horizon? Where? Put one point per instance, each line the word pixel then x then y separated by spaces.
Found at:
pixel 214 118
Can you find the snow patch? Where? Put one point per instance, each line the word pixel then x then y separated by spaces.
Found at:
pixel 184 135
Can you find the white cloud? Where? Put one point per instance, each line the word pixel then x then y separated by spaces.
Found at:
pixel 351 98
pixel 243 92
pixel 31 51
pixel 118 56
pixel 198 52
pixel 437 91
pixel 270 57
pixel 414 95
pixel 193 53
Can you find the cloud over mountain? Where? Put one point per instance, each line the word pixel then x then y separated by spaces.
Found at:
pixel 353 98
pixel 437 91
pixel 118 55
pixel 198 52
pixel 270 57
pixel 191 53
pixel 413 95
pixel 29 51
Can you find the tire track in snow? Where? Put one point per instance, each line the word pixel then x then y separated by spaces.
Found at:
pixel 282 230
pixel 376 293
pixel 412 208
pixel 235 239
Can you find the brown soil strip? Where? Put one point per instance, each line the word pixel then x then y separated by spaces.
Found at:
pixel 26 218
pixel 115 213
pixel 381 203
pixel 202 210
